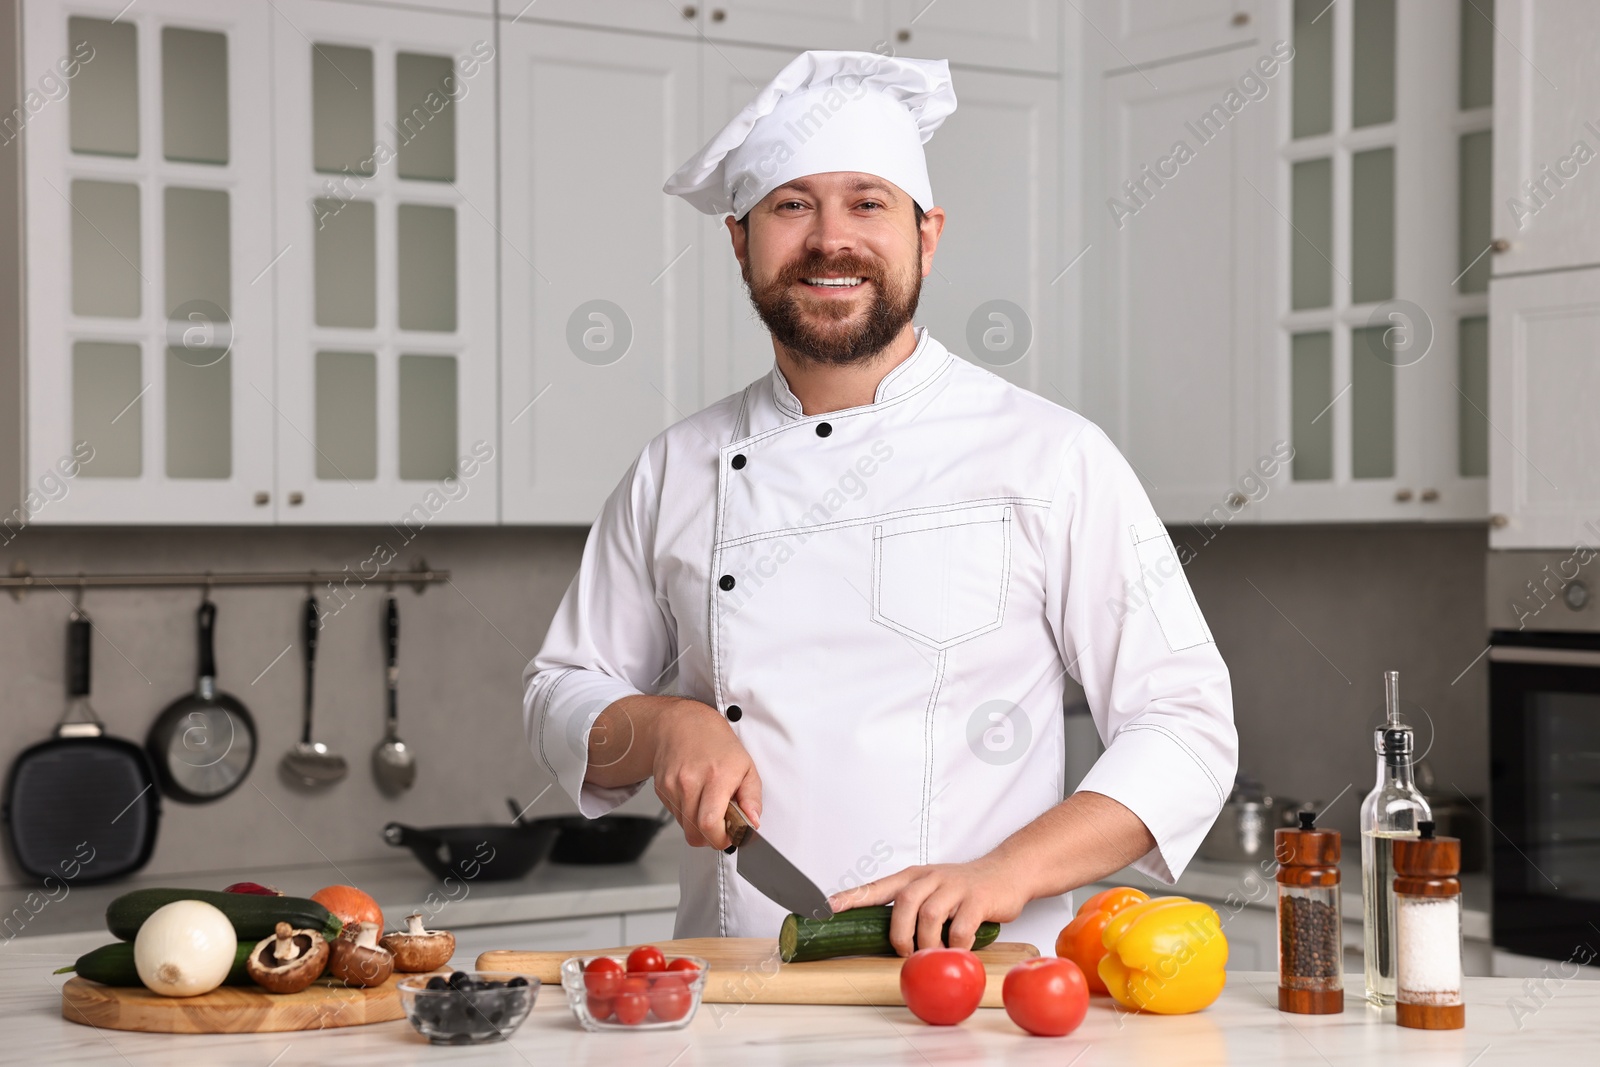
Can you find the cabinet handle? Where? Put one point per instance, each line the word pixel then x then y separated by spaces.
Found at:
pixel 1237 500
pixel 296 498
pixel 263 499
pixel 1500 244
pixel 1499 521
pixel 902 36
pixel 690 11
pixel 718 15
pixel 1402 495
pixel 1241 18
pixel 1430 495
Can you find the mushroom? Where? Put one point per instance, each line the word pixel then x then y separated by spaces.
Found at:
pixel 416 949
pixel 356 958
pixel 288 961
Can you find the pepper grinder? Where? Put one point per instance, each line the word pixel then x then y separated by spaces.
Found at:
pixel 1427 894
pixel 1310 938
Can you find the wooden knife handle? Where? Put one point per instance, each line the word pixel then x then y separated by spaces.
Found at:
pixel 737 825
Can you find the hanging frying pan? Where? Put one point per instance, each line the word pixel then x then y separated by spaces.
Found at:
pixel 203 744
pixel 82 806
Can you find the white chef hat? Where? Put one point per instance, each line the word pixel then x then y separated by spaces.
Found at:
pixel 825 111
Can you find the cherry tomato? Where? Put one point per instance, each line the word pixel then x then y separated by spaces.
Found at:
pixel 684 963
pixel 635 983
pixel 646 958
pixel 602 976
pixel 942 986
pixel 1046 996
pixel 600 1007
pixel 670 996
pixel 631 1007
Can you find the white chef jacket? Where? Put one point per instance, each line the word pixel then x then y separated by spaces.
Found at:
pixel 890 595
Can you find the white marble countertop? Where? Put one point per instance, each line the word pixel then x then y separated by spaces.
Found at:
pixel 1507 1024
pixel 400 885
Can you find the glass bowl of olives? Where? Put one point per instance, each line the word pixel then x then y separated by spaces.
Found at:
pixel 467 1007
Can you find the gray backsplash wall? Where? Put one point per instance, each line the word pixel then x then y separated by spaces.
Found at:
pixel 1368 597
pixel 1309 617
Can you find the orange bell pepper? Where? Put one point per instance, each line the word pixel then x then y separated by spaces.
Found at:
pixel 1079 940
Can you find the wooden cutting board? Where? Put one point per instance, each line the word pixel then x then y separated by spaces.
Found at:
pixel 746 970
pixel 324 1004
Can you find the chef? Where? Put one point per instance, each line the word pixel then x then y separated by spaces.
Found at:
pixel 848 596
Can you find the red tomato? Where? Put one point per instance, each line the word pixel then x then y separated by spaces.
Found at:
pixel 1046 996
pixel 684 963
pixel 631 1007
pixel 600 1007
pixel 942 986
pixel 635 983
pixel 646 958
pixel 602 976
pixel 670 997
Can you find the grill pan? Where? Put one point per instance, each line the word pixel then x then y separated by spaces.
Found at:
pixel 81 806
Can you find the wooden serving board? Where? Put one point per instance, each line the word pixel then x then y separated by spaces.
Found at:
pixel 324 1004
pixel 746 970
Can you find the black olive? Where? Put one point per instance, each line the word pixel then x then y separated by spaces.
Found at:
pixel 516 982
pixel 461 980
pixel 438 982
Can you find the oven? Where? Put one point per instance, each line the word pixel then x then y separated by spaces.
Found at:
pixel 1544 766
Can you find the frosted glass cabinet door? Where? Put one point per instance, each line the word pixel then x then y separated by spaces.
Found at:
pixel 149 343
pixel 386 295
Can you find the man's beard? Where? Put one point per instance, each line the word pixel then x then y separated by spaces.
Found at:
pixel 820 335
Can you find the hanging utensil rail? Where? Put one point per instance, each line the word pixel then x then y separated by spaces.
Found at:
pixel 19 581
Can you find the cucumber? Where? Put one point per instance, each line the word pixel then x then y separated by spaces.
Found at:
pixel 253 917
pixel 857 932
pixel 113 965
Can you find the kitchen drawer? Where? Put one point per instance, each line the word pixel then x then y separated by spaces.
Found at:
pixel 590 931
pixel 641 927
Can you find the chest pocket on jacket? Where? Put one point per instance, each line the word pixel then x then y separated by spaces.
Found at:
pixel 941 578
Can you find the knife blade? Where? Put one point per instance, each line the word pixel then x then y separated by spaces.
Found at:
pixel 764 867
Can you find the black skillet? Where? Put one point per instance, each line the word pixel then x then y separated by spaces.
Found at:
pixel 607 839
pixel 204 743
pixel 81 807
pixel 490 852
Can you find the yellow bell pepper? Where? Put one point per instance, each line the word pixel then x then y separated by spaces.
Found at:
pixel 1165 956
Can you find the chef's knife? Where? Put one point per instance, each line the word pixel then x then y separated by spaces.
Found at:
pixel 764 867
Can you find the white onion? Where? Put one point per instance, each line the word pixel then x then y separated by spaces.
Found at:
pixel 185 948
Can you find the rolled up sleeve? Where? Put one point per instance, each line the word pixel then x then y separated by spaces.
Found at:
pixel 1131 633
pixel 611 637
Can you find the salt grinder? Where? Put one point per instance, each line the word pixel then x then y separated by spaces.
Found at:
pixel 1310 942
pixel 1428 932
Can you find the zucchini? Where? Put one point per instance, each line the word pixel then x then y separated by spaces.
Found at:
pixel 113 965
pixel 253 917
pixel 857 932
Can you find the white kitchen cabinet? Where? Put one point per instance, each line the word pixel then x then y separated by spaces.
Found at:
pixel 989 297
pixel 797 25
pixel 1373 365
pixel 1545 455
pixel 1139 33
pixel 1004 34
pixel 1175 279
pixel 148 347
pixel 386 374
pixel 643 927
pixel 793 24
pixel 600 269
pixel 1546 200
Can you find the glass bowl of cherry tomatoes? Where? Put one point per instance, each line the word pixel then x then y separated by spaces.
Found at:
pixel 643 991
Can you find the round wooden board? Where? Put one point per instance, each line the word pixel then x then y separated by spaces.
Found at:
pixel 324 1004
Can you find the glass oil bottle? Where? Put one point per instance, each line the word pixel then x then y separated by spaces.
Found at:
pixel 1394 809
